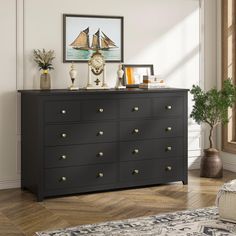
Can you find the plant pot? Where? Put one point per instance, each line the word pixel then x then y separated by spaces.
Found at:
pixel 45 80
pixel 211 164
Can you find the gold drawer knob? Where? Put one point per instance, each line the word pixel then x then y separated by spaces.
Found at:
pixel 135 172
pixel 169 148
pixel 63 179
pixel 168 129
pixel 63 135
pixel 100 133
pixel 100 154
pixel 136 109
pixel 168 107
pixel 100 175
pixel 63 112
pixel 101 110
pixel 168 168
pixel 136 131
pixel 63 157
pixel 135 151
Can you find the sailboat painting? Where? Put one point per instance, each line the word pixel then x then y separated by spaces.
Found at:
pixel 84 34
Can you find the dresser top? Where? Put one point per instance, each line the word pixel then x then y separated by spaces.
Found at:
pixel 94 91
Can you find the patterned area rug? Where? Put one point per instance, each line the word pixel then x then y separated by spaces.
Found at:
pixel 200 222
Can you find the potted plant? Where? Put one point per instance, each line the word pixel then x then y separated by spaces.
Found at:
pixel 211 107
pixel 44 60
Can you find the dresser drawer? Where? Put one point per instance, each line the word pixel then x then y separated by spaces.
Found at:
pixel 134 171
pixel 151 149
pixel 135 108
pixel 170 169
pixel 142 129
pixel 70 177
pixel 80 155
pixel 99 109
pixel 61 111
pixel 80 133
pixel 168 106
pixel 163 170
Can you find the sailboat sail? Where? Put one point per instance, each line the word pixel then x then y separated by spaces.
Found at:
pixel 104 43
pixel 96 40
pixel 99 41
pixel 108 41
pixel 82 40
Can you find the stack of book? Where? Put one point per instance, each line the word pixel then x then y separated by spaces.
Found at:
pixel 152 81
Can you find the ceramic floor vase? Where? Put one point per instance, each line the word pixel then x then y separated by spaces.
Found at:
pixel 211 164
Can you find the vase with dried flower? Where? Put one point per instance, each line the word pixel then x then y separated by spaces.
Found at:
pixel 44 61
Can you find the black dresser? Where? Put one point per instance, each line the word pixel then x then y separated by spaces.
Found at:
pixel 84 141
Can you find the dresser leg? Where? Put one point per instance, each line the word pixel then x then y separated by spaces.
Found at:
pixel 39 198
pixel 185 182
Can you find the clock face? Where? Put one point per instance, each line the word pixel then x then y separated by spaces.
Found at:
pixel 97 60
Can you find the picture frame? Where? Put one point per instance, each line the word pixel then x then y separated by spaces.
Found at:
pixel 133 74
pixel 84 34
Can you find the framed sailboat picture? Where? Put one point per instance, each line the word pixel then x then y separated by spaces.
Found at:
pixel 85 34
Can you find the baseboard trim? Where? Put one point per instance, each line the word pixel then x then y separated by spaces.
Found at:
pixel 7 184
pixel 229 166
pixel 194 163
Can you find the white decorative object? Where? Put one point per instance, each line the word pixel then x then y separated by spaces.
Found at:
pixel 73 73
pixel 152 85
pixel 152 82
pixel 226 201
pixel 97 72
pixel 120 74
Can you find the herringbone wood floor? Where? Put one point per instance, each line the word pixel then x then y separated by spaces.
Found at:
pixel 20 214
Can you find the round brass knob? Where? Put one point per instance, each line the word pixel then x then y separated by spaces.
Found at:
pixel 100 175
pixel 168 107
pixel 168 168
pixel 63 179
pixel 135 172
pixel 135 151
pixel 100 133
pixel 63 112
pixel 63 135
pixel 63 157
pixel 136 131
pixel 100 154
pixel 101 110
pixel 168 129
pixel 136 109
pixel 169 148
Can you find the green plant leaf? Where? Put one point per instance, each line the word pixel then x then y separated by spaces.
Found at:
pixel 211 107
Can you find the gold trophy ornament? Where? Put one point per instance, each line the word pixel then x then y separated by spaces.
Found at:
pixel 73 73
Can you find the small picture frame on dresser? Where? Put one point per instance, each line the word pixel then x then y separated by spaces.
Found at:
pixel 133 74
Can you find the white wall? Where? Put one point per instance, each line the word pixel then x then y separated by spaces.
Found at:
pixel 9 165
pixel 161 32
